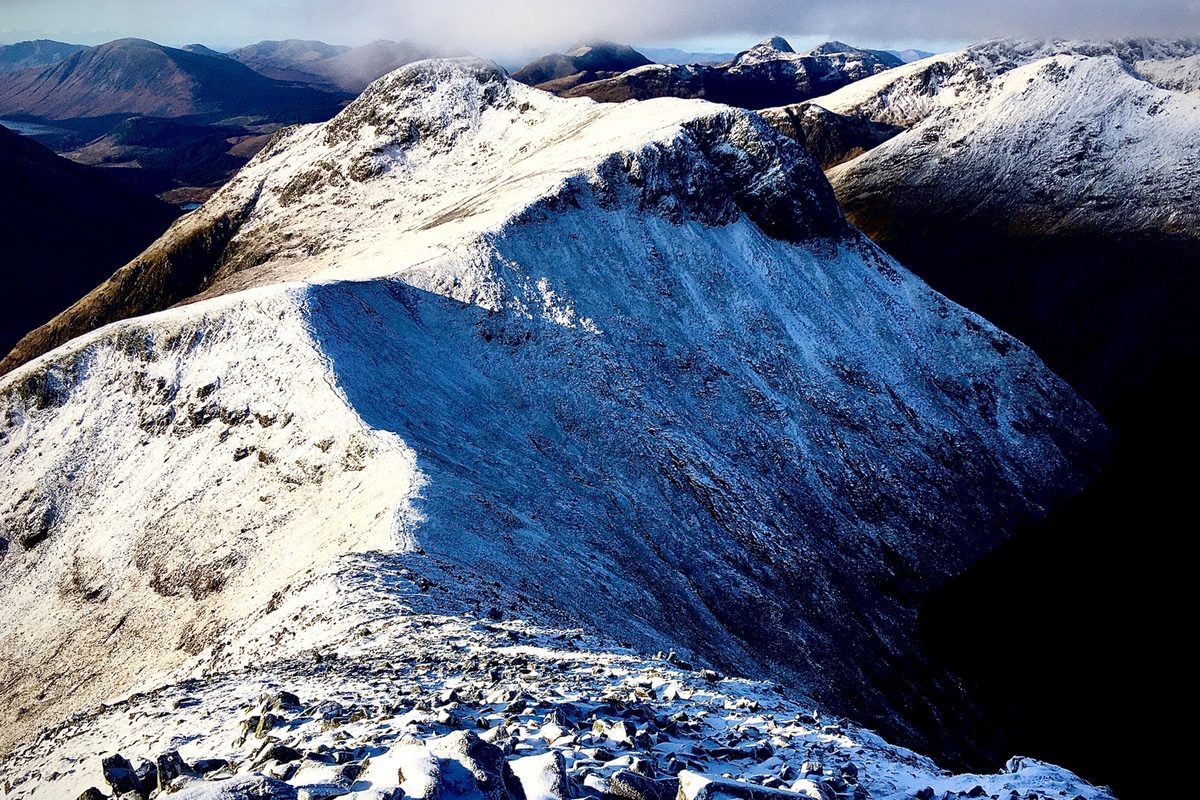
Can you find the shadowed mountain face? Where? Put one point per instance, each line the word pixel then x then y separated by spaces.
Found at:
pixel 65 229
pixel 830 138
pixel 768 74
pixel 1050 191
pixel 175 159
pixel 37 53
pixel 133 76
pixel 339 67
pixel 1092 610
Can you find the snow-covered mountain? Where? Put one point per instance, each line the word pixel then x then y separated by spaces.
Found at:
pixel 768 74
pixel 471 347
pixel 1048 186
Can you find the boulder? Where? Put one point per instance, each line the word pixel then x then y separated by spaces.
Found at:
pixel 121 776
pixel 250 787
pixel 485 768
pixel 542 777
pixel 693 786
pixel 171 766
pixel 627 785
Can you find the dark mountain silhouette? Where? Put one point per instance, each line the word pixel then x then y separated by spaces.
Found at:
pixel 1092 610
pixel 66 228
pixel 134 76
pixel 769 74
pixel 36 53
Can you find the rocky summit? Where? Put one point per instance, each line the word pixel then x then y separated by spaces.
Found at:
pixel 443 415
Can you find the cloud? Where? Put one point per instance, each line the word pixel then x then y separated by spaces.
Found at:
pixel 496 27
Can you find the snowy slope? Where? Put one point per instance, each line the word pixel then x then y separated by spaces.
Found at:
pixel 1053 194
pixel 620 365
pixel 1180 74
pixel 908 94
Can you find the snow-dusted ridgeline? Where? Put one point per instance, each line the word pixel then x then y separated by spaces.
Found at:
pixel 621 365
pixel 1049 186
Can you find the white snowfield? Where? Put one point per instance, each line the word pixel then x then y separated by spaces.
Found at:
pixel 909 94
pixel 1082 137
pixel 622 367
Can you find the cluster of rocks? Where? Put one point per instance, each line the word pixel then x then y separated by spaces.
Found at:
pixel 472 709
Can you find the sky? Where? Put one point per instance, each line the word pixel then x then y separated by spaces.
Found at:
pixel 507 29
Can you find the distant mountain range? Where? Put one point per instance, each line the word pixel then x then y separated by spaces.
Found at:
pixel 347 69
pixel 178 121
pixel 908 56
pixel 673 55
pixel 36 53
pixel 586 62
pixel 769 74
pixel 134 76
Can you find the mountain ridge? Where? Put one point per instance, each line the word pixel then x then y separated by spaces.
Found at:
pixel 1085 220
pixel 636 345
pixel 135 76
pixel 768 74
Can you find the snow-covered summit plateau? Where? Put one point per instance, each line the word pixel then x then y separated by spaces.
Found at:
pixel 471 347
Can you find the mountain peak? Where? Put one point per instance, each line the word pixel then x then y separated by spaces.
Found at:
pixel 775 43
pixel 833 47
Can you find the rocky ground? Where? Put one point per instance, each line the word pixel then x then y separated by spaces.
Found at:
pixel 486 707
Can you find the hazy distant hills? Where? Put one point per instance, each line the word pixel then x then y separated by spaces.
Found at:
pixel 597 58
pixel 93 95
pixel 66 227
pixel 134 76
pixel 910 55
pixel 37 53
pixel 673 55
pixel 769 74
pixel 348 69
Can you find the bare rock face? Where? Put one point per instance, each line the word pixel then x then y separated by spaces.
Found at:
pixel 1022 189
pixel 830 138
pixel 625 364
